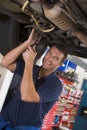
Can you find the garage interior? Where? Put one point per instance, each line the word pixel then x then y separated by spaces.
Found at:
pixel 66 19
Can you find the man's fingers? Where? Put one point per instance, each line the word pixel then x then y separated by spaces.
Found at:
pixel 32 48
pixel 33 37
pixel 33 34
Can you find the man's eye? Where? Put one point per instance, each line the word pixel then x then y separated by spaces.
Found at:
pixel 56 58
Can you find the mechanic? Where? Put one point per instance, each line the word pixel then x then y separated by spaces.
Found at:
pixel 39 88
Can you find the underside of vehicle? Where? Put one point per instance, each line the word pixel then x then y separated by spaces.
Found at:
pixel 52 19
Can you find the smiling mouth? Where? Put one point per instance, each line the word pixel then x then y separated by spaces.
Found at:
pixel 47 63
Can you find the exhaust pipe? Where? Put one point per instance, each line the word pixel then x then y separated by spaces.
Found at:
pixel 58 17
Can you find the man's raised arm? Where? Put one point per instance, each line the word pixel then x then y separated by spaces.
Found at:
pixel 9 59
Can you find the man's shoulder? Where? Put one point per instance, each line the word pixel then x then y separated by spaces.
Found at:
pixel 54 77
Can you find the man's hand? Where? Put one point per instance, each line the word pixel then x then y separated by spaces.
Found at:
pixel 29 55
pixel 32 37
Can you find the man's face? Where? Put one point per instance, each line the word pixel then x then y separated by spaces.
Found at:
pixel 52 59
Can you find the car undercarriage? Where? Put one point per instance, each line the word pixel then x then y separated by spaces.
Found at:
pixel 52 19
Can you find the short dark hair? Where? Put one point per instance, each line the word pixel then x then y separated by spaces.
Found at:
pixel 61 46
